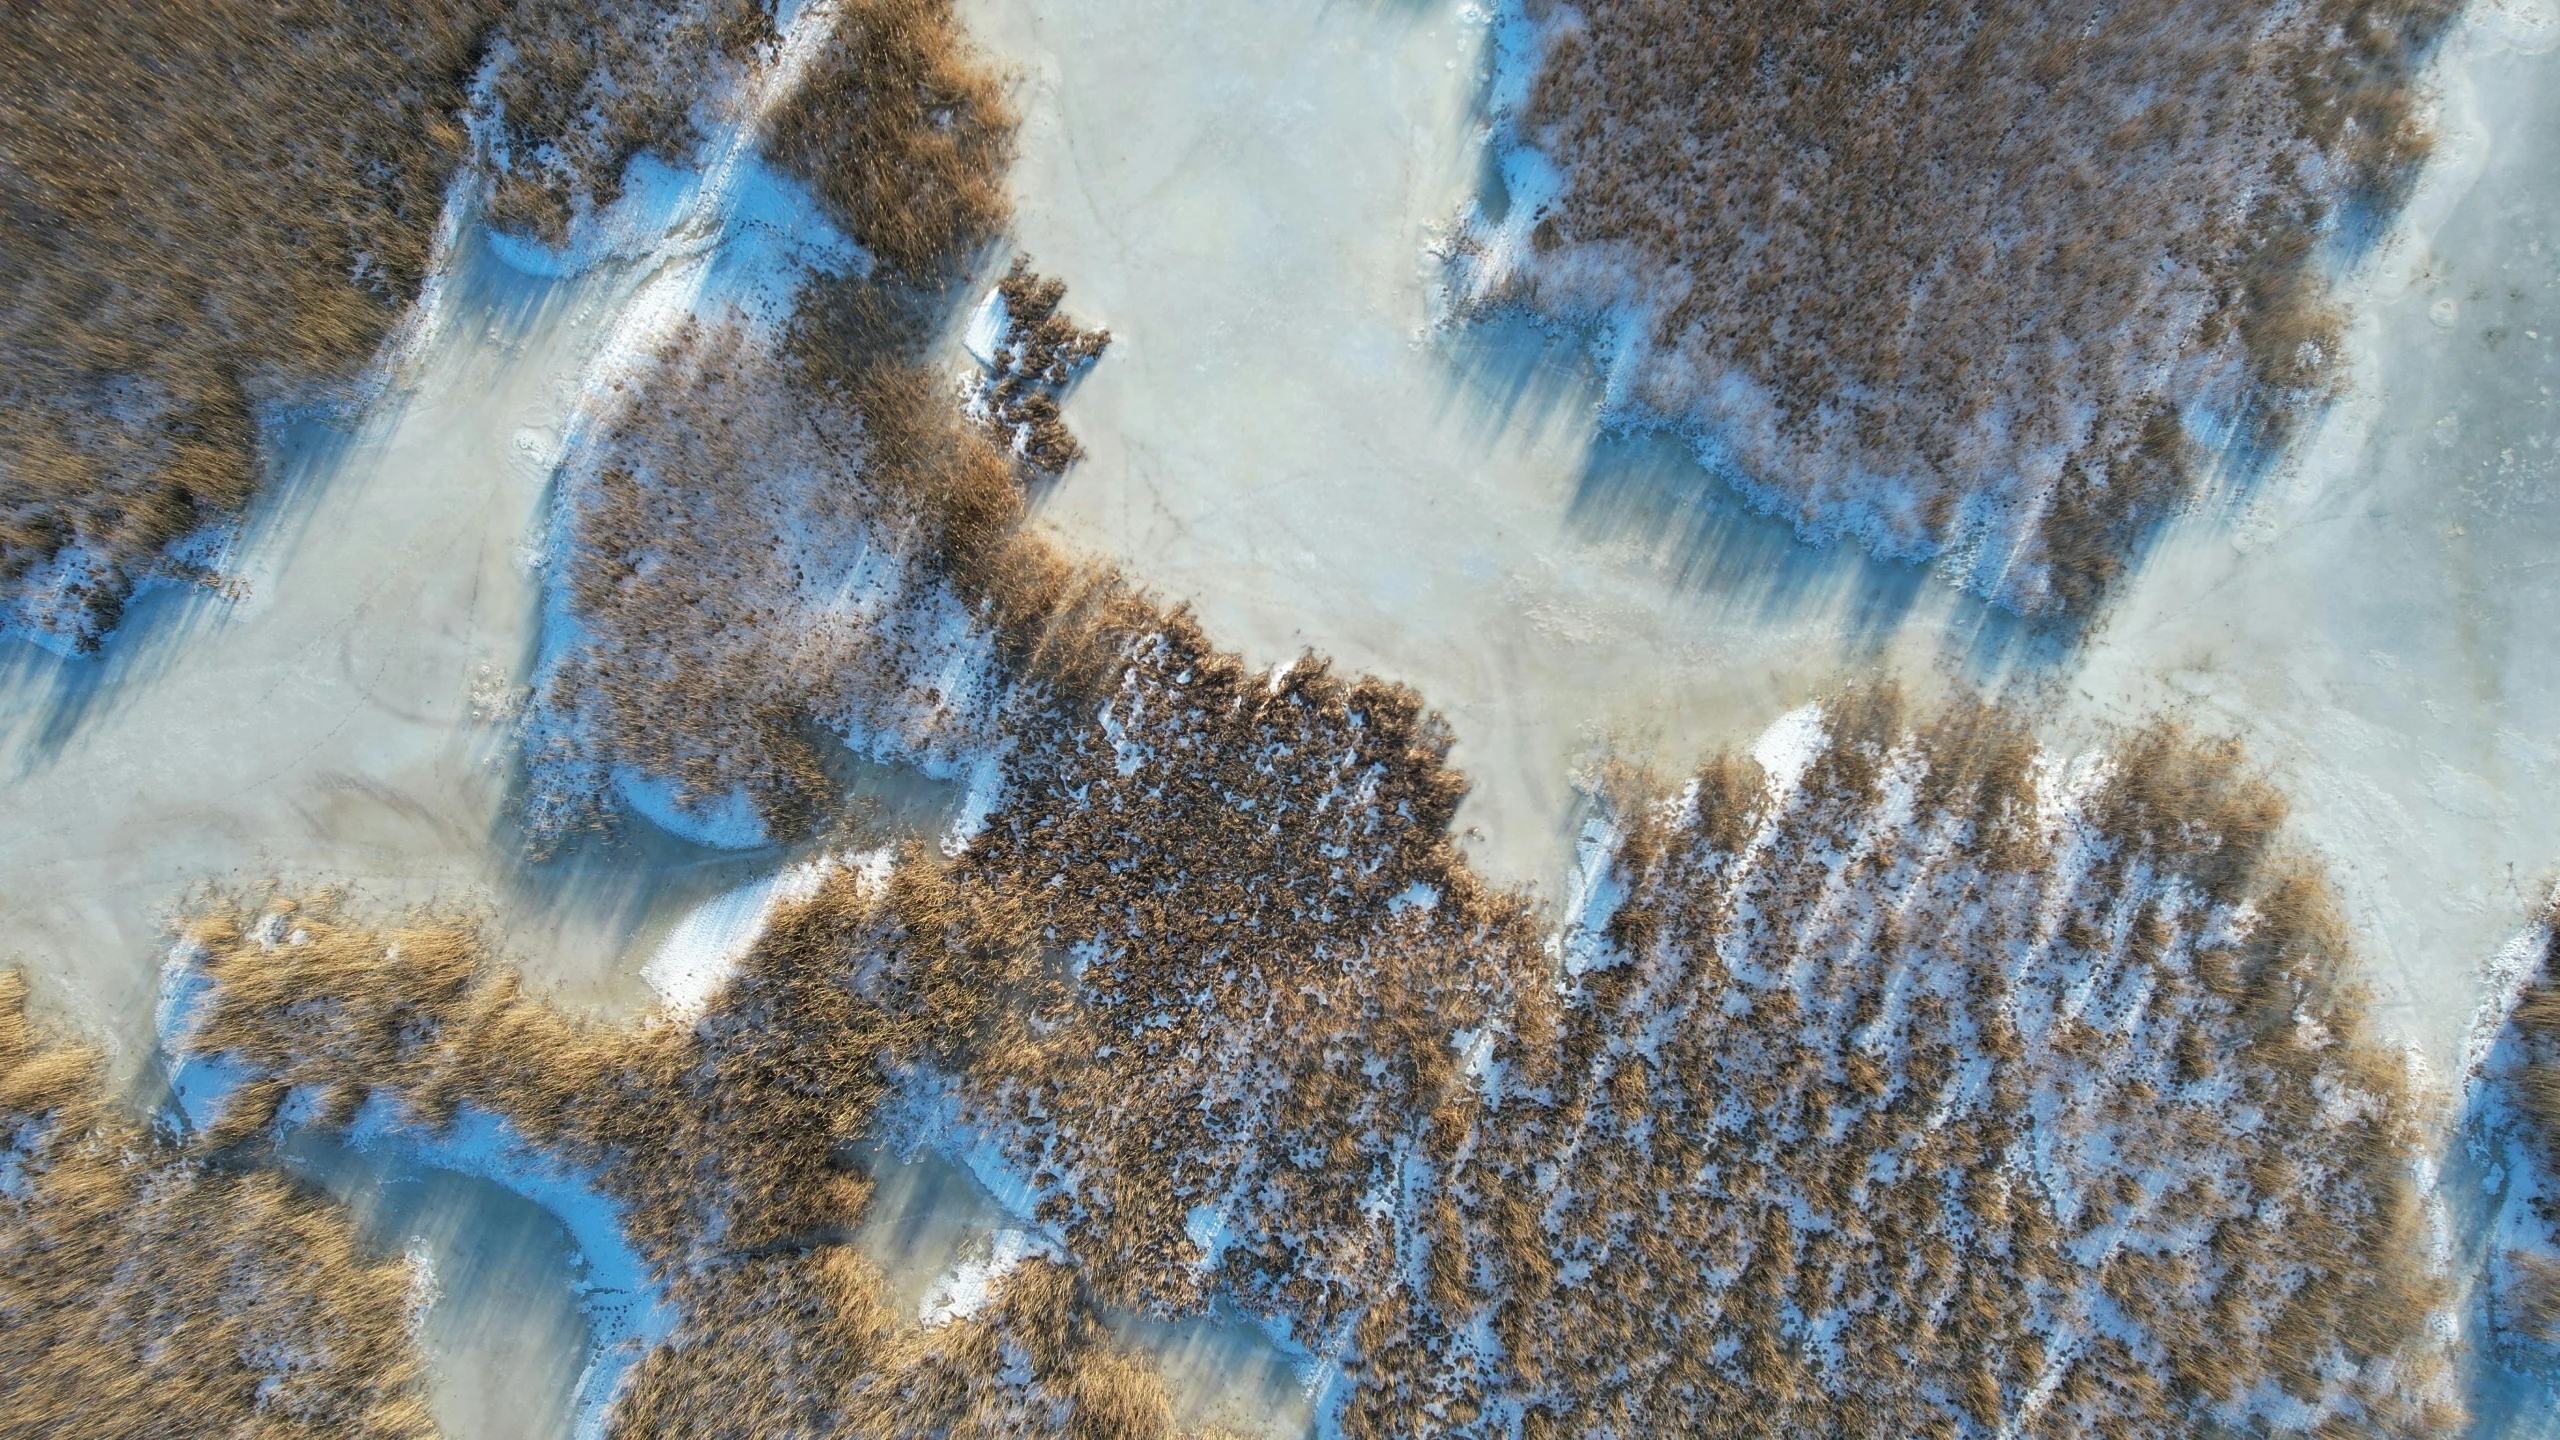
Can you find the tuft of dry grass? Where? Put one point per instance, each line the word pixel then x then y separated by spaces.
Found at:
pixel 903 134
pixel 147 1293
pixel 1943 278
pixel 1039 354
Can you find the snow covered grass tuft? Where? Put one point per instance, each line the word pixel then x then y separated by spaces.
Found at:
pixel 1963 281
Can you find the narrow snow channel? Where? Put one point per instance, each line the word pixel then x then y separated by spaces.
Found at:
pixel 1249 197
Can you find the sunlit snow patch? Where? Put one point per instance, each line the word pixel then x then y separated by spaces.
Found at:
pixel 704 948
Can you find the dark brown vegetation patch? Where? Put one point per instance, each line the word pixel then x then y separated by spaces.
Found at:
pixel 146 1293
pixel 1945 276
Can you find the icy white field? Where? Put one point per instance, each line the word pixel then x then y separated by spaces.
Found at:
pixel 1249 196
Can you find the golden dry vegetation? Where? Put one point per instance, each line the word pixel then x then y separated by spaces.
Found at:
pixel 902 133
pixel 1942 1092
pixel 1037 357
pixel 207 207
pixel 722 1141
pixel 1947 276
pixel 145 1292
pixel 1269 939
pixel 213 208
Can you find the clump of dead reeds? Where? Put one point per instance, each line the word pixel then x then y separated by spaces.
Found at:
pixel 148 1293
pixel 1038 355
pixel 1943 279
pixel 207 208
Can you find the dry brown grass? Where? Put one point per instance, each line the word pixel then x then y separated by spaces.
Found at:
pixel 209 208
pixel 1943 276
pixel 206 207
pixel 768 553
pixel 1860 1127
pixel 2531 1305
pixel 1857 1125
pixel 2536 1023
pixel 579 89
pixel 903 134
pixel 1270 939
pixel 1039 355
pixel 719 638
pixel 144 1293
pixel 723 1141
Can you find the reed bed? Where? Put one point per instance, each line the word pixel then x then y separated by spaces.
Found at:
pixel 722 1142
pixel 1937 1088
pixel 903 133
pixel 1945 279
pixel 1901 1079
pixel 1268 939
pixel 747 586
pixel 214 209
pixel 145 1292
pixel 1941 1089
